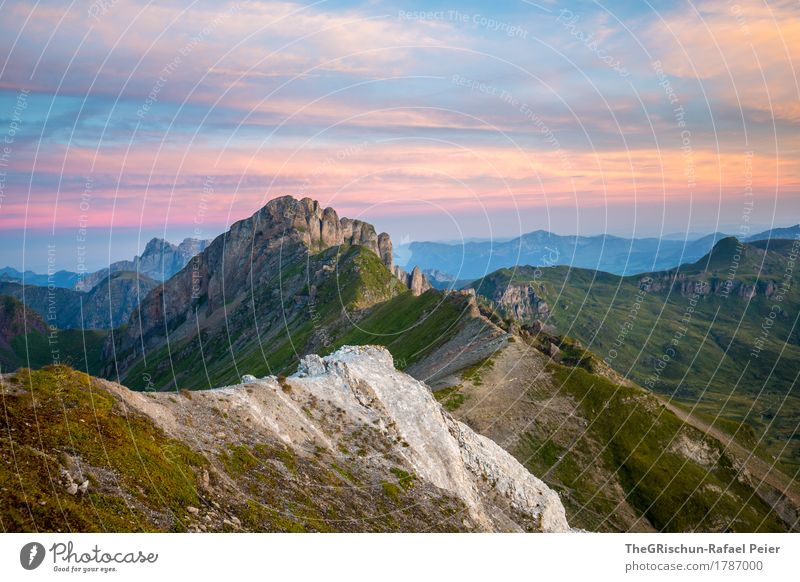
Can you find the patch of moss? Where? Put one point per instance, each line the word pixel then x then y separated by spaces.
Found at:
pixel 404 478
pixel 238 460
pixel 391 490
pixel 60 414
pixel 450 398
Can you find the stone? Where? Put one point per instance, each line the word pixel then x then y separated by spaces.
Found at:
pixel 418 283
pixel 415 281
pixel 249 379
pixel 363 383
pixel 311 365
pixel 192 510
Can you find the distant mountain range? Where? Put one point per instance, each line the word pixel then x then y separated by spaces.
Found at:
pixel 159 261
pixel 106 305
pixel 63 279
pixel 612 254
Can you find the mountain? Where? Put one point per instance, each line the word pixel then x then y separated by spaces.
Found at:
pixel 472 260
pixel 65 279
pixel 787 233
pixel 718 335
pixel 108 304
pixel 160 260
pixel 621 457
pixel 27 341
pixel 346 444
pixel 286 282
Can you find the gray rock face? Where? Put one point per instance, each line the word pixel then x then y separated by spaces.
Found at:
pixel 521 301
pixel 160 260
pixel 415 280
pixel 495 487
pixel 684 285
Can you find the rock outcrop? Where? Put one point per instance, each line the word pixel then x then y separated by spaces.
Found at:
pixel 521 301
pixel 363 382
pixel 415 280
pixel 706 284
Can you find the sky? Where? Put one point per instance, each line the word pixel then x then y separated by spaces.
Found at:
pixel 126 119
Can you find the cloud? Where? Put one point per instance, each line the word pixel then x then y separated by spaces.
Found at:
pixel 746 53
pixel 149 99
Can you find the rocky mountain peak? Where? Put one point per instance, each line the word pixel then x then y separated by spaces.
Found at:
pixel 276 261
pixel 154 246
pixel 319 228
pixel 416 281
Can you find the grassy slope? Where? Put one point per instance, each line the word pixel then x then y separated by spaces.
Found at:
pixel 142 480
pixel 42 346
pixel 55 415
pixel 408 326
pixel 273 341
pixel 634 433
pixel 711 367
pixel 74 347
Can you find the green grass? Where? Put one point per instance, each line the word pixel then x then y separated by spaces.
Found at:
pixel 59 413
pixel 391 490
pixel 634 434
pixel 709 355
pixel 451 398
pixel 473 372
pixel 238 460
pixel 73 347
pixel 404 478
pixel 409 327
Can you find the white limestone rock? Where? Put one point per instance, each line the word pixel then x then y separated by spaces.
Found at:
pixel 362 380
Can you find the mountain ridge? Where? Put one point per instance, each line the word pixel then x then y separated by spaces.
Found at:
pixel 695 332
pixel 278 282
pixel 607 253
pixel 347 444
